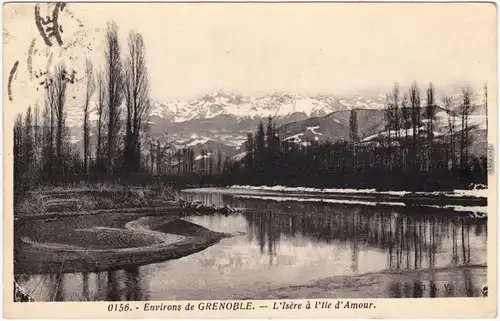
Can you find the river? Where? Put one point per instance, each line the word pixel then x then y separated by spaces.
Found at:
pixel 285 244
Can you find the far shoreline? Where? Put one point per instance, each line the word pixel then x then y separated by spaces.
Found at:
pixel 476 199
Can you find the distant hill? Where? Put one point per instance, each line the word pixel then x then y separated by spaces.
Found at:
pixel 371 122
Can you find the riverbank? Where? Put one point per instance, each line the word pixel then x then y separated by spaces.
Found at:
pixel 51 204
pixel 464 281
pixel 472 197
pixel 91 198
pixel 472 203
pixel 87 229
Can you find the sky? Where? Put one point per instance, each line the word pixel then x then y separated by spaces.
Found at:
pixel 252 49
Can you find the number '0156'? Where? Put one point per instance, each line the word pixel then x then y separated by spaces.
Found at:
pixel 119 307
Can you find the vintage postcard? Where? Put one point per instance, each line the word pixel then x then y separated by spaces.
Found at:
pixel 250 160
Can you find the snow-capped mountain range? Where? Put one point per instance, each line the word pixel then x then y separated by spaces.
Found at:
pixel 223 102
pixel 221 120
pixel 278 105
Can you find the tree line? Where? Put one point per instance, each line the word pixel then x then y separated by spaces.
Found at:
pixel 409 153
pixel 182 166
pixel 118 91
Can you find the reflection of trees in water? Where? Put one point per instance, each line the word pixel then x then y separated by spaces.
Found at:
pixel 410 241
pixel 121 285
pixel 124 285
pixel 458 283
pixel 113 288
pixel 56 283
pixel 59 291
pixel 85 280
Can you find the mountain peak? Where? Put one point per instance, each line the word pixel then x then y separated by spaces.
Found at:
pixel 276 104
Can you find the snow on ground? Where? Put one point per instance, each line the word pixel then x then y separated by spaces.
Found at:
pixel 235 143
pixel 200 141
pixel 459 193
pixel 239 156
pixel 478 211
pixel 478 120
pixel 207 155
pixel 317 200
pixel 402 133
pixel 294 138
pixel 460 208
pixel 313 130
pixel 280 188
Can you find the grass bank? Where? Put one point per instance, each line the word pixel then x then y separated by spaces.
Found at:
pixel 89 198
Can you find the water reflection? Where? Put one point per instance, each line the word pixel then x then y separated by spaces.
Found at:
pixel 120 285
pixel 458 283
pixel 411 241
pixel 288 244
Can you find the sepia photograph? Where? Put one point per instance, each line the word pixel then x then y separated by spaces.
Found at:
pixel 167 152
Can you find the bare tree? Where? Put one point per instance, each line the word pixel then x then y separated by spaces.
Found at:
pixel 430 114
pixel 60 86
pixel 405 124
pixel 152 152
pixel 395 117
pixel 465 110
pixel 114 78
pixel 89 91
pixel 47 135
pixel 28 148
pixel 101 101
pixel 159 157
pixel 450 114
pixel 395 114
pixel 49 128
pixel 37 135
pixel 386 158
pixel 405 115
pixel 392 123
pixel 219 161
pixel 136 90
pixel 353 127
pixel 19 160
pixel 414 97
pixel 55 100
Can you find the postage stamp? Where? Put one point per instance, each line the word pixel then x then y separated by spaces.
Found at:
pixel 250 160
